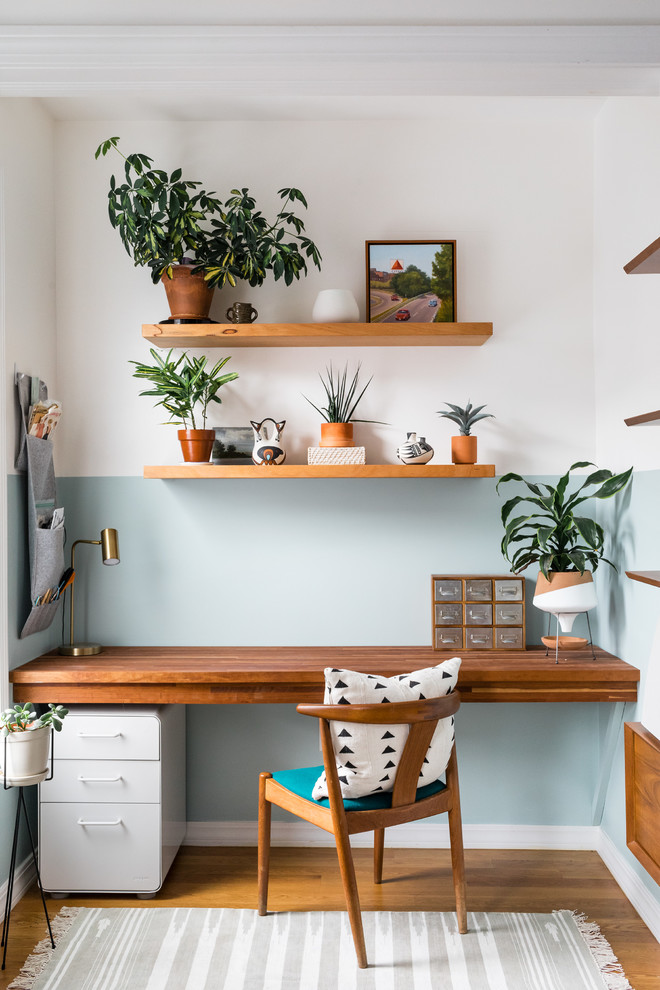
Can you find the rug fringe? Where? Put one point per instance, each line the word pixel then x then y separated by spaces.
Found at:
pixel 41 955
pixel 610 967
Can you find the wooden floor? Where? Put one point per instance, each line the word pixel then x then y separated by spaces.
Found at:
pixel 308 879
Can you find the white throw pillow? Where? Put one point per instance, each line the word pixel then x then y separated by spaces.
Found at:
pixel 368 755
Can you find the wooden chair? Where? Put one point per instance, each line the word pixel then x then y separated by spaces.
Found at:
pixel 292 790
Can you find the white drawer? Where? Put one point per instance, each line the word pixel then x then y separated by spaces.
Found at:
pixel 108 737
pixel 92 847
pixel 134 781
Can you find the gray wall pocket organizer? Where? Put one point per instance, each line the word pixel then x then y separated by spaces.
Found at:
pixel 45 519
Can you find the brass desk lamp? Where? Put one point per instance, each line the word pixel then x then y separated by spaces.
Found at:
pixel 109 544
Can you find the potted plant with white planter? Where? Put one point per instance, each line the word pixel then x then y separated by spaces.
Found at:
pixel 25 745
pixel 183 386
pixel 464 446
pixel 567 547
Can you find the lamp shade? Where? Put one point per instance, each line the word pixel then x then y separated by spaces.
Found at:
pixel 110 546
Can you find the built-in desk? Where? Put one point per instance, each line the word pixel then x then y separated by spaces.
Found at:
pixel 277 674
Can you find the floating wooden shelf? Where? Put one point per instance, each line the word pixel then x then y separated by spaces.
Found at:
pixel 316 334
pixel 646 577
pixel 647 261
pixel 278 472
pixel 645 419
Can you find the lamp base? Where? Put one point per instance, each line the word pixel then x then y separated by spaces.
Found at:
pixel 80 649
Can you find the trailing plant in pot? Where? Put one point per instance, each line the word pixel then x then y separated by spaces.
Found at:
pixel 342 399
pixel 464 446
pixel 192 241
pixel 567 547
pixel 182 386
pixel 26 744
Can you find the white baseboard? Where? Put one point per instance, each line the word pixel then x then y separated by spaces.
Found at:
pixel 643 901
pixel 413 836
pixel 24 877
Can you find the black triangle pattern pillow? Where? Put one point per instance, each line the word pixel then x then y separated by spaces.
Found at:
pixel 368 755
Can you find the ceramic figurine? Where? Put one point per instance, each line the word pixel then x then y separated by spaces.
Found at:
pixel 268 447
pixel 414 451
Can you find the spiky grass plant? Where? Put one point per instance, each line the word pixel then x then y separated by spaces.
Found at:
pixel 340 393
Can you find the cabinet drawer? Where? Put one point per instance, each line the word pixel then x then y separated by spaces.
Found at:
pixel 130 781
pixel 478 615
pixel 449 614
pixel 509 639
pixel 478 590
pixel 508 615
pixel 447 638
pixel 91 847
pixel 447 590
pixel 509 590
pixel 108 737
pixel 479 639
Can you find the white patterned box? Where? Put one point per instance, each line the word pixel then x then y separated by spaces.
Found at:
pixel 336 455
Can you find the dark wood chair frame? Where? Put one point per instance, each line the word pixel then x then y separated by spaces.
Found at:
pixel 422 718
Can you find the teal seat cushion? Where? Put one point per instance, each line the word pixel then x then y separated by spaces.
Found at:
pixel 301 782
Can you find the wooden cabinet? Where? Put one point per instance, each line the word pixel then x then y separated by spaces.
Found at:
pixel 478 612
pixel 113 816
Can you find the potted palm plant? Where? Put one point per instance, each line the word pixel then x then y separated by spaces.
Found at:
pixel 566 546
pixel 192 241
pixel 342 398
pixel 26 743
pixel 464 446
pixel 182 386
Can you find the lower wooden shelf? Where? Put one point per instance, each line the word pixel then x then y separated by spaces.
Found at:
pixel 278 472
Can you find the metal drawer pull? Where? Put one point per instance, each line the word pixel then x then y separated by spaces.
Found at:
pixel 511 616
pixel 98 735
pixel 83 821
pixel 509 639
pixel 509 590
pixel 94 780
pixel 478 639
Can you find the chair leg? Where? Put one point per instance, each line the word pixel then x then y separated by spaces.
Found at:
pixel 349 882
pixel 263 845
pixel 456 843
pixel 379 844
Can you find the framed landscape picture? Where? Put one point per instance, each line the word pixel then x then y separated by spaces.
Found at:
pixel 233 445
pixel 411 280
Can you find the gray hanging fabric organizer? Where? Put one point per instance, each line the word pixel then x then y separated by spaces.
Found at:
pixel 45 519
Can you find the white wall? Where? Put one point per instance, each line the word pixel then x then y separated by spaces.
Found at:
pixel 509 180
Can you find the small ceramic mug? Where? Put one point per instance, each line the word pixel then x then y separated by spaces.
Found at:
pixel 242 313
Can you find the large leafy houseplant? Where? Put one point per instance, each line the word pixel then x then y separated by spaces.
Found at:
pixel 181 385
pixel 552 534
pixel 165 220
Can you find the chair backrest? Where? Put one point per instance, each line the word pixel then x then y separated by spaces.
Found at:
pixel 421 717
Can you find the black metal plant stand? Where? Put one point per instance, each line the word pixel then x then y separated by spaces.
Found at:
pixel 20 804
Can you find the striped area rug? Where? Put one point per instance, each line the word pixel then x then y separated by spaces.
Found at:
pixel 150 948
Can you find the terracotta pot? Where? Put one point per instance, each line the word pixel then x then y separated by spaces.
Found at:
pixel 565 594
pixel 337 435
pixel 464 450
pixel 196 445
pixel 188 295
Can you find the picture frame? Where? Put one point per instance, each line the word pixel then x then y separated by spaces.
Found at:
pixel 232 445
pixel 411 281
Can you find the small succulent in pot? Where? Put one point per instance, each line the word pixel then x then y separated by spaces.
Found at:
pixel 23 718
pixel 464 446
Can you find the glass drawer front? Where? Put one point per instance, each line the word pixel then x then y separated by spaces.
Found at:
pixel 479 639
pixel 509 639
pixel 448 615
pixel 447 591
pixel 478 615
pixel 448 639
pixel 478 590
pixel 508 615
pixel 509 590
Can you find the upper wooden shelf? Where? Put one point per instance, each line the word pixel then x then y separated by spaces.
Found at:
pixel 279 471
pixel 644 419
pixel 647 261
pixel 646 577
pixel 316 334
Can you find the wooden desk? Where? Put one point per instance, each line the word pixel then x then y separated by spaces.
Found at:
pixel 278 674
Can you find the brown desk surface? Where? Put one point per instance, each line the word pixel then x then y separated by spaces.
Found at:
pixel 234 675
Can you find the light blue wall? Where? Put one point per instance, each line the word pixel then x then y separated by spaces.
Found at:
pixel 316 562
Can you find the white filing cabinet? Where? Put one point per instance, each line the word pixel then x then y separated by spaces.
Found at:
pixel 114 815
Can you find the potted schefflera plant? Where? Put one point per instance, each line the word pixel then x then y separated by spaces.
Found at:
pixel 464 446
pixel 567 545
pixel 185 388
pixel 342 396
pixel 25 742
